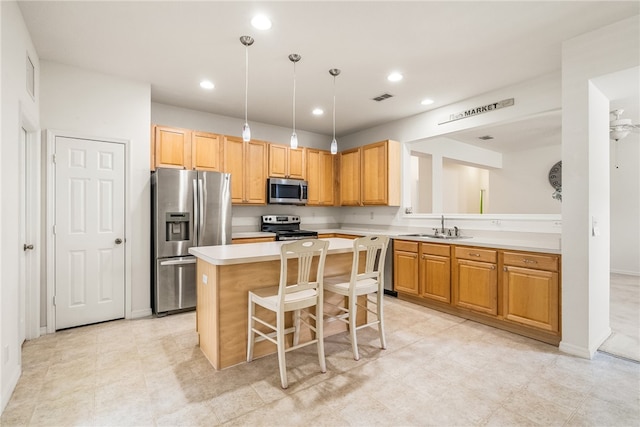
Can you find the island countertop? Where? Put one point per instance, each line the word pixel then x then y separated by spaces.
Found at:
pixel 258 252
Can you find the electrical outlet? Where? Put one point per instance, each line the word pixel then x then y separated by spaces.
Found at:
pixel 204 279
pixel 371 215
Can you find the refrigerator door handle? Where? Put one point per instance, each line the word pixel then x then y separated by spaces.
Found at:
pixel 201 212
pixel 178 262
pixel 196 214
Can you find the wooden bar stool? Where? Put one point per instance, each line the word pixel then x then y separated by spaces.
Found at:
pixel 370 281
pixel 302 294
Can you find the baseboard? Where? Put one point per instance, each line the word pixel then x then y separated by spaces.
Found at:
pixel 575 350
pixel 10 386
pixel 137 314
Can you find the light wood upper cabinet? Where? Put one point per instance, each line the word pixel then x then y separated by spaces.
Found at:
pixel 370 175
pixel 320 175
pixel 206 151
pixel 350 178
pixel 247 164
pixel 287 162
pixel 171 148
pixel 531 290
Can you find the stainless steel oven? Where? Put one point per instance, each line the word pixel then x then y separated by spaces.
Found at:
pixel 286 227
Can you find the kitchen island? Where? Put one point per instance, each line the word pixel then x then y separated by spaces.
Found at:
pixel 226 273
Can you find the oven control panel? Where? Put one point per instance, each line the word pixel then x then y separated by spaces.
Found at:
pixel 280 219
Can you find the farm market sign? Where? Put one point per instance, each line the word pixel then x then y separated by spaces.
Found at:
pixel 478 110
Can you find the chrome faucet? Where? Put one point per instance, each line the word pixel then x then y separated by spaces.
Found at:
pixel 442 224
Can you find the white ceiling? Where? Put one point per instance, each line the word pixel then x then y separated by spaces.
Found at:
pixel 447 51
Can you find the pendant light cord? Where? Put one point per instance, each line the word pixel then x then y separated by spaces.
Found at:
pixel 294 97
pixel 246 81
pixel 334 107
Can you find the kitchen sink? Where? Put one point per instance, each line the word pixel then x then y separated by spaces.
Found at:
pixel 437 236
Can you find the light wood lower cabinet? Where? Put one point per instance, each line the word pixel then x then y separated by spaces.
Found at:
pixel 475 279
pixel 531 290
pixel 435 272
pixel 512 290
pixel 405 267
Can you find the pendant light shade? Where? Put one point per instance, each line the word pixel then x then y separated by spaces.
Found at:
pixel 294 57
pixel 246 130
pixel 334 144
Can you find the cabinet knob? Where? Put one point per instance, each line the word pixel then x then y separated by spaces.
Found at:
pixel 505 269
pixel 493 267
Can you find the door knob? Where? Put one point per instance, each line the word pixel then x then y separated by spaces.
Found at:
pixel 118 241
pixel 27 247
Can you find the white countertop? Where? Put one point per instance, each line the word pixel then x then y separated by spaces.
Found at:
pixel 550 246
pixel 257 252
pixel 533 244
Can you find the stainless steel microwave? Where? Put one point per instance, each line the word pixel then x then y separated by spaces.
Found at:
pixel 283 191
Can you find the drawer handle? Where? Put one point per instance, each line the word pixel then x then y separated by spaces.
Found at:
pixel 493 267
pixel 529 261
pixel 473 254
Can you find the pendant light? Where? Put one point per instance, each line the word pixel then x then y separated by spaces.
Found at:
pixel 334 144
pixel 246 130
pixel 294 57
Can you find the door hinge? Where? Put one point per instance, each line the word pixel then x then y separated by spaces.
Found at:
pixel 54 300
pixel 55 229
pixel 54 158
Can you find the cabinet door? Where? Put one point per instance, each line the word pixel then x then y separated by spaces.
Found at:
pixel 234 164
pixel 435 277
pixel 327 189
pixel 477 286
pixel 206 151
pixel 405 272
pixel 172 147
pixel 278 161
pixel 320 177
pixel 256 172
pixel 350 178
pixel 531 297
pixel 297 163
pixel 374 174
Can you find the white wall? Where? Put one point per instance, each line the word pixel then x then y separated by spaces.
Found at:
pixel 98 105
pixel 585 158
pixel 18 109
pixel 522 185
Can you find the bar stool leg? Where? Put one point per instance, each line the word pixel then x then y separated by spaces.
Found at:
pixel 353 315
pixel 282 362
pixel 250 334
pixel 383 341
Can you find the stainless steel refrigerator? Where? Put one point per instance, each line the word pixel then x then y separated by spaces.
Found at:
pixel 188 208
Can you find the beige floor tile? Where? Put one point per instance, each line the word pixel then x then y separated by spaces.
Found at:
pixel 437 370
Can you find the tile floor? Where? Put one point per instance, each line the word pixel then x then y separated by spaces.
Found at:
pixel 624 317
pixel 437 370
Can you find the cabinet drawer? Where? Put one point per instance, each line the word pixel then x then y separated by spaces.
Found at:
pixel 476 254
pixel 527 260
pixel 403 245
pixel 431 249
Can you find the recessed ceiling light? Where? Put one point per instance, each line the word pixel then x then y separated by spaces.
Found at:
pixel 394 77
pixel 317 111
pixel 426 101
pixel 261 22
pixel 206 84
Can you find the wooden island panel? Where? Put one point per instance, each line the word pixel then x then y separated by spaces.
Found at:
pixel 222 306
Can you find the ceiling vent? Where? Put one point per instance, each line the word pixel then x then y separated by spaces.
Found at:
pixel 485 137
pixel 382 97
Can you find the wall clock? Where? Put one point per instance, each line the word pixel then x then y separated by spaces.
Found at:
pixel 555 175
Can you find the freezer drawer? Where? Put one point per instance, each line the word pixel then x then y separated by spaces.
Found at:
pixel 175 287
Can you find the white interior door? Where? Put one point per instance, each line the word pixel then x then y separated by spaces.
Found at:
pixel 89 231
pixel 22 295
